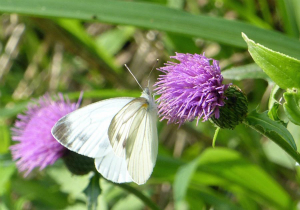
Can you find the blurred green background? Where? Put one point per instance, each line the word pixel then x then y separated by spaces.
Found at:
pixel 51 46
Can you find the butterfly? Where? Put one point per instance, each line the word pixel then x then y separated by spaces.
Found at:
pixel 119 133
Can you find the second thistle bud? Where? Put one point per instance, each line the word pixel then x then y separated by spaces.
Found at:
pixel 78 164
pixel 235 109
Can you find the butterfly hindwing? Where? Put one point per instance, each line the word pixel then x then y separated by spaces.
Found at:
pixel 113 168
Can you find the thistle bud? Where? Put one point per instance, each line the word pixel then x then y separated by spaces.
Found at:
pixel 78 164
pixel 234 111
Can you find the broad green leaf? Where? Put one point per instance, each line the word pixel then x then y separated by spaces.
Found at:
pixel 282 69
pixel 70 184
pixel 182 180
pixel 242 177
pixel 181 193
pixel 232 172
pixel 249 71
pixel 42 191
pixel 275 131
pixel 154 16
pixel 92 191
pixel 292 105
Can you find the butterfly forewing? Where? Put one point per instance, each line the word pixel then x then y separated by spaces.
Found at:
pixel 85 130
pixel 120 125
pixel 139 144
pixel 141 147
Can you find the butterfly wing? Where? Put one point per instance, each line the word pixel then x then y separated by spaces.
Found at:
pixel 133 136
pixel 113 168
pixel 85 130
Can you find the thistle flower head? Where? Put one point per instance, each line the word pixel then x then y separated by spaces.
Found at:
pixel 36 146
pixel 190 89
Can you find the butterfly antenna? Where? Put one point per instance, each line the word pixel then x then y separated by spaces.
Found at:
pixel 133 76
pixel 155 64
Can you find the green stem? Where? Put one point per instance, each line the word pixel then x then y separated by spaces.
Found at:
pixel 215 137
pixel 140 195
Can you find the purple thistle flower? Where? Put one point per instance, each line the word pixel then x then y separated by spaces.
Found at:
pixel 190 89
pixel 37 147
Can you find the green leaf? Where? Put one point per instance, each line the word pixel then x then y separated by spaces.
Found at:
pixel 282 69
pixel 182 180
pixel 292 105
pixel 92 191
pixel 240 174
pixel 232 172
pixel 273 130
pixel 249 71
pixel 154 16
pixel 41 191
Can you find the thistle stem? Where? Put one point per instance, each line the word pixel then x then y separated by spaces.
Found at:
pixel 215 137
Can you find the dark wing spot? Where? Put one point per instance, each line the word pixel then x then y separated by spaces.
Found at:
pixel 60 132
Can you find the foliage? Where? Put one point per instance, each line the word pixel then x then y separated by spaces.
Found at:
pixel 71 46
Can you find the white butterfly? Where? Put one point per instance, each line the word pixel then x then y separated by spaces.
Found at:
pixel 120 133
